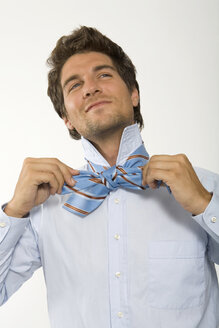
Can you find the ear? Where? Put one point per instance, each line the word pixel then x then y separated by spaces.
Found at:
pixel 68 123
pixel 135 97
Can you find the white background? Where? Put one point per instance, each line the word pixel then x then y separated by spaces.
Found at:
pixel 175 47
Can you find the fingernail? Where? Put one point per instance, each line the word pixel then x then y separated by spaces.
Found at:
pixel 72 181
pixel 75 171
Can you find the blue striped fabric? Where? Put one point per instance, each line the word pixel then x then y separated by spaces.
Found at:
pixel 94 185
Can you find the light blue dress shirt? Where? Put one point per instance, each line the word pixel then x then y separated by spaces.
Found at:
pixel 139 260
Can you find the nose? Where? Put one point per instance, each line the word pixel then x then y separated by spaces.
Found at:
pixel 91 88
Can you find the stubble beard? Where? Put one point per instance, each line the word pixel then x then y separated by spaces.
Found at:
pixel 103 129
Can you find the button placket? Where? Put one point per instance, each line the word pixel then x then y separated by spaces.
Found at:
pixel 115 255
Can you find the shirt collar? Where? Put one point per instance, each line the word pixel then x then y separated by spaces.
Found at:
pixel 130 140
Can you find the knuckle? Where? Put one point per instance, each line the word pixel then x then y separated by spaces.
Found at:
pixel 55 167
pixel 52 176
pixel 153 157
pixel 27 160
pixel 56 160
pixel 182 157
pixel 67 174
pixel 27 166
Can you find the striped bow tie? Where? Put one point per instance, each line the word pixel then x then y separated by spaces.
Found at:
pixel 94 185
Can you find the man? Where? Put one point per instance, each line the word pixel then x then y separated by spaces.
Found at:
pixel 141 257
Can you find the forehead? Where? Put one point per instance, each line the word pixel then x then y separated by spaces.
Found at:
pixel 80 63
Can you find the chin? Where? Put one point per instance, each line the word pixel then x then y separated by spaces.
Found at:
pixel 104 128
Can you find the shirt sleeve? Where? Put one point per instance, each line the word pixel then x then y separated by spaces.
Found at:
pixel 19 253
pixel 209 219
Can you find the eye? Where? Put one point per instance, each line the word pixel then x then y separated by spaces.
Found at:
pixel 74 86
pixel 105 75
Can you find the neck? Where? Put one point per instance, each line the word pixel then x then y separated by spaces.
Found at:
pixel 109 146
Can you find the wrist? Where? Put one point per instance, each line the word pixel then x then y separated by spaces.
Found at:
pixel 203 203
pixel 13 211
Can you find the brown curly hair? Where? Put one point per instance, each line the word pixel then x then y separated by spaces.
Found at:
pixel 82 40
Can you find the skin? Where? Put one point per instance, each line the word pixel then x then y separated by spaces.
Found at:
pixel 39 178
pixel 177 172
pixel 103 124
pixel 88 79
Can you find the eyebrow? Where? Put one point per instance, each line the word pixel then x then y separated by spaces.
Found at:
pixel 95 69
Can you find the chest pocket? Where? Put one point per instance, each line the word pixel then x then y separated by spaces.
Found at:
pixel 176 274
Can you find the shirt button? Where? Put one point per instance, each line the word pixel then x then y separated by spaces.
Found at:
pixel 120 314
pixel 2 224
pixel 117 236
pixel 116 200
pixel 213 219
pixel 118 274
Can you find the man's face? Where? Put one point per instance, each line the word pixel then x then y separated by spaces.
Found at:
pixel 96 98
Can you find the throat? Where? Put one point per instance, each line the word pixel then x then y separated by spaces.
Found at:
pixel 108 148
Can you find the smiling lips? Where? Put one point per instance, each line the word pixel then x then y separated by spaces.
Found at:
pixel 97 104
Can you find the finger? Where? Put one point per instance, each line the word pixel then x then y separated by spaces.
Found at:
pixel 68 174
pixel 48 178
pixel 61 171
pixel 73 171
pixel 66 170
pixel 165 165
pixel 40 168
pixel 155 175
pixel 173 166
pixel 182 158
pixel 144 174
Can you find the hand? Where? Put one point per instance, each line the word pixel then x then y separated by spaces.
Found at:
pixel 177 172
pixel 39 178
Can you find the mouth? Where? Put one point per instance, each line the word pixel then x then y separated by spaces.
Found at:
pixel 97 104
